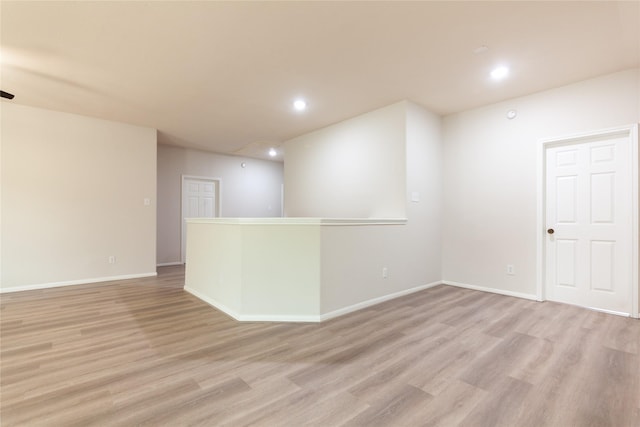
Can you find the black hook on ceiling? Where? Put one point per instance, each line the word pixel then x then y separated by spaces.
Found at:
pixel 6 94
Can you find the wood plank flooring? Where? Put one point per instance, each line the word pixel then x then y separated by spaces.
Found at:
pixel 144 352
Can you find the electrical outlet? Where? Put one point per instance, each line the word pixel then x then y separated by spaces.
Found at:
pixel 385 272
pixel 112 259
pixel 511 271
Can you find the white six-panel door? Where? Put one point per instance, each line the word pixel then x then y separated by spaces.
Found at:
pixel 198 201
pixel 589 224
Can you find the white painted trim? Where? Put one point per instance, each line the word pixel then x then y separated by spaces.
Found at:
pixel 602 310
pixel 251 317
pixel 541 195
pixel 282 200
pixel 375 301
pixel 278 318
pixel 632 132
pixel 215 304
pixel 217 207
pixel 76 282
pixel 305 318
pixel 167 264
pixel 299 221
pixel 635 223
pixel 491 290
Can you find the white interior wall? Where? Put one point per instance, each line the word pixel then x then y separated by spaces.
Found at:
pixel 490 176
pixel 487 212
pixel 252 191
pixel 352 169
pixel 424 180
pixel 73 191
pixel 411 252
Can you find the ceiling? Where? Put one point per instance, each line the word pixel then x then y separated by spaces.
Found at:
pixel 222 76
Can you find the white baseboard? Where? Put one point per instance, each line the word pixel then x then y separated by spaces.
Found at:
pixel 305 318
pixel 284 318
pixel 213 303
pixel 349 309
pixel 167 264
pixel 251 317
pixel 75 282
pixel 374 301
pixel 491 290
pixel 617 313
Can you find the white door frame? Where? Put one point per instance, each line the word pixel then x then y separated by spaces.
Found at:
pixel 217 208
pixel 631 132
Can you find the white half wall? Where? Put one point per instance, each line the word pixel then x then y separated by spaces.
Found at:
pixel 490 175
pixel 252 191
pixel 352 169
pixel 73 192
pixel 273 269
pixel 256 270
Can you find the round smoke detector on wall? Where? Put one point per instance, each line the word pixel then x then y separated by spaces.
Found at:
pixel 511 114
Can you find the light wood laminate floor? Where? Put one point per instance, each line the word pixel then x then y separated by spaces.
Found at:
pixel 144 352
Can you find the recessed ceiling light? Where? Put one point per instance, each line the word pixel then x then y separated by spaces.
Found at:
pixel 272 152
pixel 299 105
pixel 499 73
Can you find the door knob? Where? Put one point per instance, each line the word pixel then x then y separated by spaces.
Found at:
pixel 551 231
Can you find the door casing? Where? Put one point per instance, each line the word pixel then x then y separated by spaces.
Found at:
pixel 631 132
pixel 217 208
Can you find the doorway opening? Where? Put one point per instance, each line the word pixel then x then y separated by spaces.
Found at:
pixel 588 220
pixel 200 199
